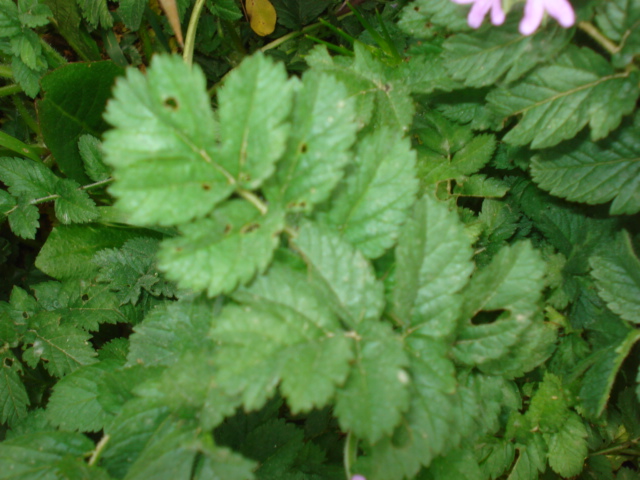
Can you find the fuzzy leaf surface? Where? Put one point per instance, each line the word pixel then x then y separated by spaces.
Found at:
pixel 557 101
pixel 163 148
pixel 373 205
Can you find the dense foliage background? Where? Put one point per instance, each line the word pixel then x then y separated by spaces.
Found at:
pixel 372 242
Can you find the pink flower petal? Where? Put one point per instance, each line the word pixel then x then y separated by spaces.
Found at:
pixel 562 11
pixel 533 13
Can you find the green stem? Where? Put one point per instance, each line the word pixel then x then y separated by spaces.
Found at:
pixel 95 456
pixel 615 448
pixel 6 71
pixel 594 33
pixel 190 40
pixel 59 59
pixel 350 453
pixel 97 184
pixel 9 90
pixel 26 116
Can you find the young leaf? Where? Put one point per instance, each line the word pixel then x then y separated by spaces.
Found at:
pixel 164 147
pixel 482 58
pixel 74 405
pixel 255 102
pixel 377 385
pixel 63 348
pixel 557 101
pixel 91 153
pixel 267 343
pixel 341 274
pixel 218 253
pixel 617 274
pixel 323 128
pixel 568 447
pixel 373 205
pixel 594 173
pixel 433 264
pixel 73 205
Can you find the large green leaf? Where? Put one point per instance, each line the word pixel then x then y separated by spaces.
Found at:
pixel 322 131
pixel 372 206
pixel 556 101
pixel 595 173
pixel 218 253
pixel 164 147
pixel 341 274
pixel 617 273
pixel 433 264
pixel 619 21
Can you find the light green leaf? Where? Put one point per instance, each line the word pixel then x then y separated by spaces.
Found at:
pixel 495 456
pixel 218 253
pixel 164 147
pixel 63 348
pixel 28 48
pixel 557 101
pixel 268 343
pixel 595 173
pixel 73 205
pixel 255 102
pixel 13 396
pixel 459 464
pixel 323 128
pixel 482 58
pixel 24 220
pixel 433 264
pixel 33 13
pixel 223 464
pixel 531 461
pixel 372 206
pixel 568 447
pixel 617 273
pixel 28 79
pixel 27 179
pixel 68 251
pixel 342 275
pixel 36 455
pixel 381 98
pixel 91 153
pixel 480 186
pixel 10 23
pixel 549 406
pixel 377 386
pixel 425 18
pixel 168 331
pixel 74 405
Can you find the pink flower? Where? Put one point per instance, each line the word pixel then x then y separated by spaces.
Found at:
pixel 481 8
pixel 534 10
pixel 358 477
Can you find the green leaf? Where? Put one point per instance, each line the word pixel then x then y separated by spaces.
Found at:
pixel 74 205
pixel 225 9
pixel 131 12
pixel 495 456
pixel 549 408
pixel 28 48
pixel 323 128
pixel 74 405
pixel 377 385
pixel 617 274
pixel 70 468
pixel 295 14
pixel 459 464
pixel 27 179
pixel 36 455
pixel 10 23
pixel 64 118
pixel 619 20
pixel 169 331
pixel 595 173
pixel 63 348
pixel 218 253
pixel 96 12
pixel 568 447
pixel 482 58
pixel 68 251
pixel 343 277
pixel 557 101
pixel 130 269
pixel 425 18
pixel 23 220
pixel 531 460
pixel 13 395
pixel 222 463
pixel 164 147
pixel 91 153
pixel 28 79
pixel 480 186
pixel 266 343
pixel 68 20
pixel 372 206
pixel 255 102
pixel 433 264
pixel 7 202
pixel 382 99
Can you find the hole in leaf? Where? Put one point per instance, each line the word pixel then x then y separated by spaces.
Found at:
pixel 84 297
pixel 171 103
pixel 485 318
pixel 25 315
pixel 8 362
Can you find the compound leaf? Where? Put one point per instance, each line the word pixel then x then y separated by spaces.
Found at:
pixel 373 205
pixel 163 148
pixel 557 101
